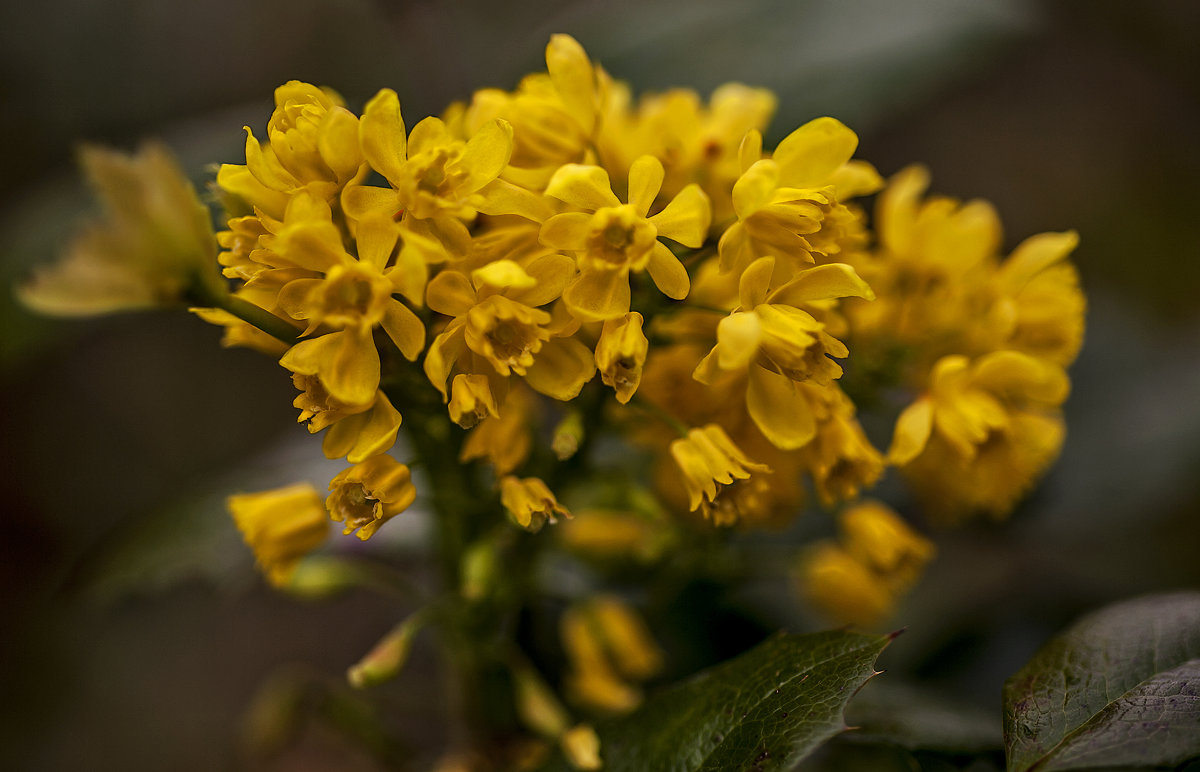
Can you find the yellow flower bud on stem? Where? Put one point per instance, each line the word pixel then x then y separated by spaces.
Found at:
pixel 384 661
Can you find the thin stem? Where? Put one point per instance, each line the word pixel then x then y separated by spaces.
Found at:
pixel 211 291
pixel 655 411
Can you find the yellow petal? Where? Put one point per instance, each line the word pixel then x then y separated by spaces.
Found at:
pixel 429 134
pixel 379 432
pixel 809 155
pixel 561 368
pixel 738 337
pixel 345 361
pixel 486 155
pixel 500 197
pixel 855 178
pixel 582 187
pixel 754 189
pixel 358 201
pixel 450 293
pixel 913 428
pixel 573 78
pixel 779 410
pixel 1034 255
pixel 896 209
pixel 551 274
pixel 404 328
pixel 668 273
pixel 686 218
pixel 822 282
pixel 443 353
pixel 237 179
pixel 265 166
pixel 750 150
pixel 381 132
pixel 568 230
pixel 756 279
pixel 376 235
pixel 645 180
pixel 338 143
pixel 598 295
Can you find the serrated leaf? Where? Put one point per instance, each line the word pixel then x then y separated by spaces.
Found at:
pixel 764 710
pixel 1119 688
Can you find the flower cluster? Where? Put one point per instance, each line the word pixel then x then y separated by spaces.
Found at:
pixel 537 272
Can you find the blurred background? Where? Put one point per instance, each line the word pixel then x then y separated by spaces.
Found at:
pixel 134 634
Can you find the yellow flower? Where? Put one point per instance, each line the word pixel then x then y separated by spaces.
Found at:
pixel 612 239
pixel 581 746
pixel 436 179
pixel 353 296
pixel 621 354
pixel 608 647
pixel 313 145
pixel 1040 292
pixel 788 205
pixel 717 474
pixel 281 526
pixel 368 494
pixel 841 587
pixel 471 400
pixel 878 538
pixel 154 247
pixel 840 458
pixel 498 328
pixel 354 431
pixel 530 503
pixel 503 440
pixel 982 434
pixel 777 343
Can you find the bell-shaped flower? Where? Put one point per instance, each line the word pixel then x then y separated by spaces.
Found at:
pixel 281 526
pixel 716 472
pixel 368 494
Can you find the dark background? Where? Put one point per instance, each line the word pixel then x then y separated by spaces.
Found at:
pixel 133 632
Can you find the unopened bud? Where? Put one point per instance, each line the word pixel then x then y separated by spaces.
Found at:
pixel 568 435
pixel 537 705
pixel 388 656
pixel 581 746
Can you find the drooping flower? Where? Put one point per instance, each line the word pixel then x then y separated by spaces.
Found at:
pixel 610 650
pixel 356 431
pixel 718 475
pixel 530 503
pixel 368 494
pixel 621 354
pixel 281 526
pixel 613 239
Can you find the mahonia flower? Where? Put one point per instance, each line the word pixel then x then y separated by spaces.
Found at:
pixel 436 179
pixel 840 458
pixel 621 354
pixel 354 431
pixel 368 494
pixel 788 205
pixel 530 503
pixel 612 239
pixel 982 434
pixel 153 247
pixel 498 327
pixel 718 475
pixel 610 650
pixel 353 297
pixel 776 343
pixel 860 579
pixel 281 526
pixel 313 146
pixel 1040 293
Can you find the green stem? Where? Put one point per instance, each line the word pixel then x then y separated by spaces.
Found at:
pixel 655 411
pixel 210 291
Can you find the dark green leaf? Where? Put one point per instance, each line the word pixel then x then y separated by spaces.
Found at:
pixel 763 710
pixel 1119 688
